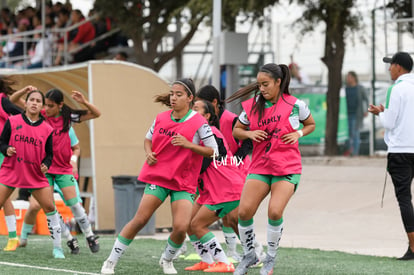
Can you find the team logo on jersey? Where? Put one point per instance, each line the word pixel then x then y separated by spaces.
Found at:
pixel 19 127
pixel 152 187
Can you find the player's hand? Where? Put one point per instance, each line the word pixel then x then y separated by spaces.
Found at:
pixel 151 159
pixel 291 138
pixel 11 151
pixel 257 135
pixel 43 168
pixel 179 140
pixel 78 96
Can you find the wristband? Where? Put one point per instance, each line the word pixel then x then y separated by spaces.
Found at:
pixel 74 158
pixel 300 132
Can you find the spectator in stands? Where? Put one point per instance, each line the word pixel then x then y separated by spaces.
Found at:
pixel 122 56
pixel 40 52
pixel 13 51
pixel 85 33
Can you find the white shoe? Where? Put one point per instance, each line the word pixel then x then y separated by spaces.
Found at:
pixel 167 266
pixel 258 248
pixel 234 255
pixel 181 251
pixel 108 267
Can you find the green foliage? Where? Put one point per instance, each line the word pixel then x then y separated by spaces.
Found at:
pixel 143 254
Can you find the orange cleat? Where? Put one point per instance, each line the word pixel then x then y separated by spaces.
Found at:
pixel 221 267
pixel 12 244
pixel 199 266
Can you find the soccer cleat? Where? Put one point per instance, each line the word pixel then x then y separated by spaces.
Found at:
pixel 234 255
pixel 248 260
pixel 58 253
pixel 268 264
pixel 167 266
pixel 73 246
pixel 260 254
pixel 12 244
pixel 108 267
pixel 23 243
pixel 221 267
pixel 93 243
pixel 409 255
pixel 181 251
pixel 198 266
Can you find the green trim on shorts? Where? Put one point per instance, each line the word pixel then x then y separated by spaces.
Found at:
pixel 193 238
pixel 270 179
pixel 227 229
pixel 124 241
pixel 61 180
pixel 162 193
pixel 207 237
pixel 10 187
pixel 1 158
pixel 275 223
pixel 173 244
pixel 246 223
pixel 222 209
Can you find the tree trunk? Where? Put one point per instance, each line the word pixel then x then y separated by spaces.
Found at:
pixel 333 59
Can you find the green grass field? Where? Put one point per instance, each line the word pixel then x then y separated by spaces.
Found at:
pixel 143 255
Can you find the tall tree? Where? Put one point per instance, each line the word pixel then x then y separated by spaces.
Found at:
pixel 147 22
pixel 340 18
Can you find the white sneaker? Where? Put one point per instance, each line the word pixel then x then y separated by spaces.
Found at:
pixel 234 255
pixel 108 267
pixel 181 251
pixel 258 248
pixel 167 266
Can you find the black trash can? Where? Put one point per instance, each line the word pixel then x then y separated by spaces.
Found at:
pixel 128 192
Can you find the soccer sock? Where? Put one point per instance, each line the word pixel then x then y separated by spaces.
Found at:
pixel 120 246
pixel 54 228
pixel 210 242
pixel 230 237
pixel 201 250
pixel 65 230
pixel 274 233
pixel 11 226
pixel 246 231
pixel 26 230
pixel 170 249
pixel 81 218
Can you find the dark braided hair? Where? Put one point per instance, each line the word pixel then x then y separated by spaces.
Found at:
pixel 209 109
pixel 56 96
pixel 274 71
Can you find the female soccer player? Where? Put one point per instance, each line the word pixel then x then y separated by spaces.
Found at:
pixel 26 142
pixel 220 185
pixel 7 108
pixel 60 116
pixel 173 163
pixel 239 149
pixel 271 120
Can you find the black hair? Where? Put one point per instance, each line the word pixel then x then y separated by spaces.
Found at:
pixel 354 75
pixel 209 109
pixel 209 93
pixel 36 91
pixel 276 72
pixel 188 85
pixel 56 96
pixel 5 85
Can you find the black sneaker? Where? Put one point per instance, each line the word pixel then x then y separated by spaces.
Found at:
pixel 409 255
pixel 74 246
pixel 93 243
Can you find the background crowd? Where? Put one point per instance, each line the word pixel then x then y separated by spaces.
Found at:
pixel 60 44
